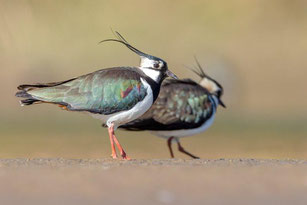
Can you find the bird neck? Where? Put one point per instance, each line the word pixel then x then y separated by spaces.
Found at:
pixel 215 101
pixel 155 88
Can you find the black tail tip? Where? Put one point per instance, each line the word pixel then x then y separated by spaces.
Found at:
pixel 29 99
pixel 23 94
pixel 28 102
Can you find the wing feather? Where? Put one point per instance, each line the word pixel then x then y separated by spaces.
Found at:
pixel 98 92
pixel 180 104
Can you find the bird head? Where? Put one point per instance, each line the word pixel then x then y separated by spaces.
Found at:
pixel 152 66
pixel 209 83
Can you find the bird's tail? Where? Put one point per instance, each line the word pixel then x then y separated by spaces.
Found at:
pixel 29 99
pixel 26 89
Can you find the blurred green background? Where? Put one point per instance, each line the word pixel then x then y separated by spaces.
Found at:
pixel 255 49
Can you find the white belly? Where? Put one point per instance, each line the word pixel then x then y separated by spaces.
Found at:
pixel 185 132
pixel 126 116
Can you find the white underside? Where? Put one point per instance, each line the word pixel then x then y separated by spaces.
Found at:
pixel 126 116
pixel 187 132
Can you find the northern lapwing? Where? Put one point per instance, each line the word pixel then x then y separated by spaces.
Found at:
pixel 183 108
pixel 115 95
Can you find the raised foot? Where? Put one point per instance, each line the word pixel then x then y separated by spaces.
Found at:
pixel 114 156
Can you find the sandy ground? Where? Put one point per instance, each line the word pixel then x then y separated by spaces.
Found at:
pixel 105 181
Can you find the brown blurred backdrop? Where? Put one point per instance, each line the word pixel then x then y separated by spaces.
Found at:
pixel 255 49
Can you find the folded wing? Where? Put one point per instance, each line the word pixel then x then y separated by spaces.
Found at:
pixel 105 91
pixel 181 104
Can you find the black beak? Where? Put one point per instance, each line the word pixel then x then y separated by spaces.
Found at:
pixel 170 74
pixel 221 103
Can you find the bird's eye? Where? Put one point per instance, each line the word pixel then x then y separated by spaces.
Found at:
pixel 156 65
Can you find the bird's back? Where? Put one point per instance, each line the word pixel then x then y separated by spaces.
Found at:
pixel 181 104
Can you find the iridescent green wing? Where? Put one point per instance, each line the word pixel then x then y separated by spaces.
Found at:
pixel 105 91
pixel 180 104
pixel 182 101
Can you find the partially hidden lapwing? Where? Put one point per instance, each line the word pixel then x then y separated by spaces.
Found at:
pixel 183 108
pixel 115 95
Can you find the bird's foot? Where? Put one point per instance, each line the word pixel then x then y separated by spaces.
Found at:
pixel 124 156
pixel 114 156
pixel 181 149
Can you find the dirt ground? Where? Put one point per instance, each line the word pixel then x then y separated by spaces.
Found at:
pixel 105 181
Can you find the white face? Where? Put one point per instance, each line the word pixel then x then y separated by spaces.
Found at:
pixel 146 65
pixel 145 62
pixel 209 85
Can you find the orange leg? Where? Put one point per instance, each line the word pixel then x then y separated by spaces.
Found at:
pixel 122 152
pixel 169 144
pixel 111 133
pixel 120 148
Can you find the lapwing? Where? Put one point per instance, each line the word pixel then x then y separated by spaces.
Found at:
pixel 183 108
pixel 115 95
